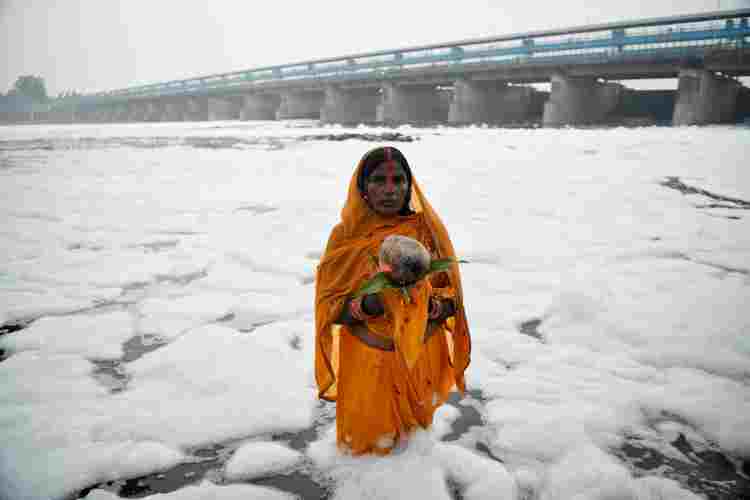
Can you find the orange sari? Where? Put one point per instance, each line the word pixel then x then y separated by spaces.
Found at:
pixel 382 396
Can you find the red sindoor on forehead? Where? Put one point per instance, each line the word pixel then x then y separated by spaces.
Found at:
pixel 389 162
pixel 390 168
pixel 390 171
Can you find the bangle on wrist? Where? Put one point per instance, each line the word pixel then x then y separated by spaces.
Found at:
pixel 355 307
pixel 436 308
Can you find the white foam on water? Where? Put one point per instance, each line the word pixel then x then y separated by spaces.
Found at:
pixel 94 336
pixel 21 305
pixel 211 385
pixel 478 477
pixel 421 469
pixel 169 317
pixel 442 421
pixel 587 473
pixel 51 405
pixel 411 473
pixel 209 491
pixel 258 459
pixel 229 276
pixel 253 309
pixel 631 296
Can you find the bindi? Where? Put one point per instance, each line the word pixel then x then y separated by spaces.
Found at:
pixel 390 174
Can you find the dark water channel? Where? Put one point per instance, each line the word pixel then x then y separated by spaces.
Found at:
pixel 9 328
pixel 708 472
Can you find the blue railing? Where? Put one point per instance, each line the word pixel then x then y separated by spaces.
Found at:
pixel 676 35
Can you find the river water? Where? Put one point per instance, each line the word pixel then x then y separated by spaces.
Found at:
pixel 156 288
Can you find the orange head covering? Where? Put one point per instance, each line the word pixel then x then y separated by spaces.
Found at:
pixel 346 263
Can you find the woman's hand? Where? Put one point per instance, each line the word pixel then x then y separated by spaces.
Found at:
pixel 372 305
pixel 355 309
pixel 441 309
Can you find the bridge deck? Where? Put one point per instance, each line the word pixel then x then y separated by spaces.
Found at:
pixel 677 39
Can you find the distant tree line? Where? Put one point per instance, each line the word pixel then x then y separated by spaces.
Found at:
pixel 30 86
pixel 34 88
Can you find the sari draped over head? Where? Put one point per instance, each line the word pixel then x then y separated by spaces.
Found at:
pixel 380 396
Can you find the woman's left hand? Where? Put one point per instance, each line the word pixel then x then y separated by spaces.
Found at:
pixel 441 309
pixel 436 308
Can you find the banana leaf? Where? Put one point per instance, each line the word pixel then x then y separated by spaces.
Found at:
pixel 444 264
pixel 376 284
pixel 381 282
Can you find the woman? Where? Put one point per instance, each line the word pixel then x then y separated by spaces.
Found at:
pixel 381 393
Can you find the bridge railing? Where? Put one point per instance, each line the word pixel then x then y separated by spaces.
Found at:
pixel 687 34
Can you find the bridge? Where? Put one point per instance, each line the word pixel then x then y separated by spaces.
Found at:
pixel 483 80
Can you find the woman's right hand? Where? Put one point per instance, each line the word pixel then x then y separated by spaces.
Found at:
pixel 372 305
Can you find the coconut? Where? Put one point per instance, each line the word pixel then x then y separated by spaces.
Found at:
pixel 404 260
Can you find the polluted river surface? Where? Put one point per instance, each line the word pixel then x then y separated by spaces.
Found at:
pixel 157 324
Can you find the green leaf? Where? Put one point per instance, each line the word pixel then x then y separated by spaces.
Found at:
pixel 375 261
pixel 444 264
pixel 376 284
pixel 381 282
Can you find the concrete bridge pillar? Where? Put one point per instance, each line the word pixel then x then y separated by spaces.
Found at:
pixel 138 112
pixel 704 97
pixel 58 116
pixel 493 102
pixel 120 113
pixel 171 111
pixel 141 111
pixel 220 109
pixel 743 106
pixel 350 105
pixel 196 109
pixel 300 105
pixel 412 104
pixel 579 101
pixel 259 107
pixel 102 115
pixel 154 111
pixel 83 116
pixel 61 116
pixel 107 115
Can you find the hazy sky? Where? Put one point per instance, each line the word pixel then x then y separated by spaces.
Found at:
pixel 90 45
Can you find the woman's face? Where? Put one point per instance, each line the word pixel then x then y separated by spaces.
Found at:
pixel 386 188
